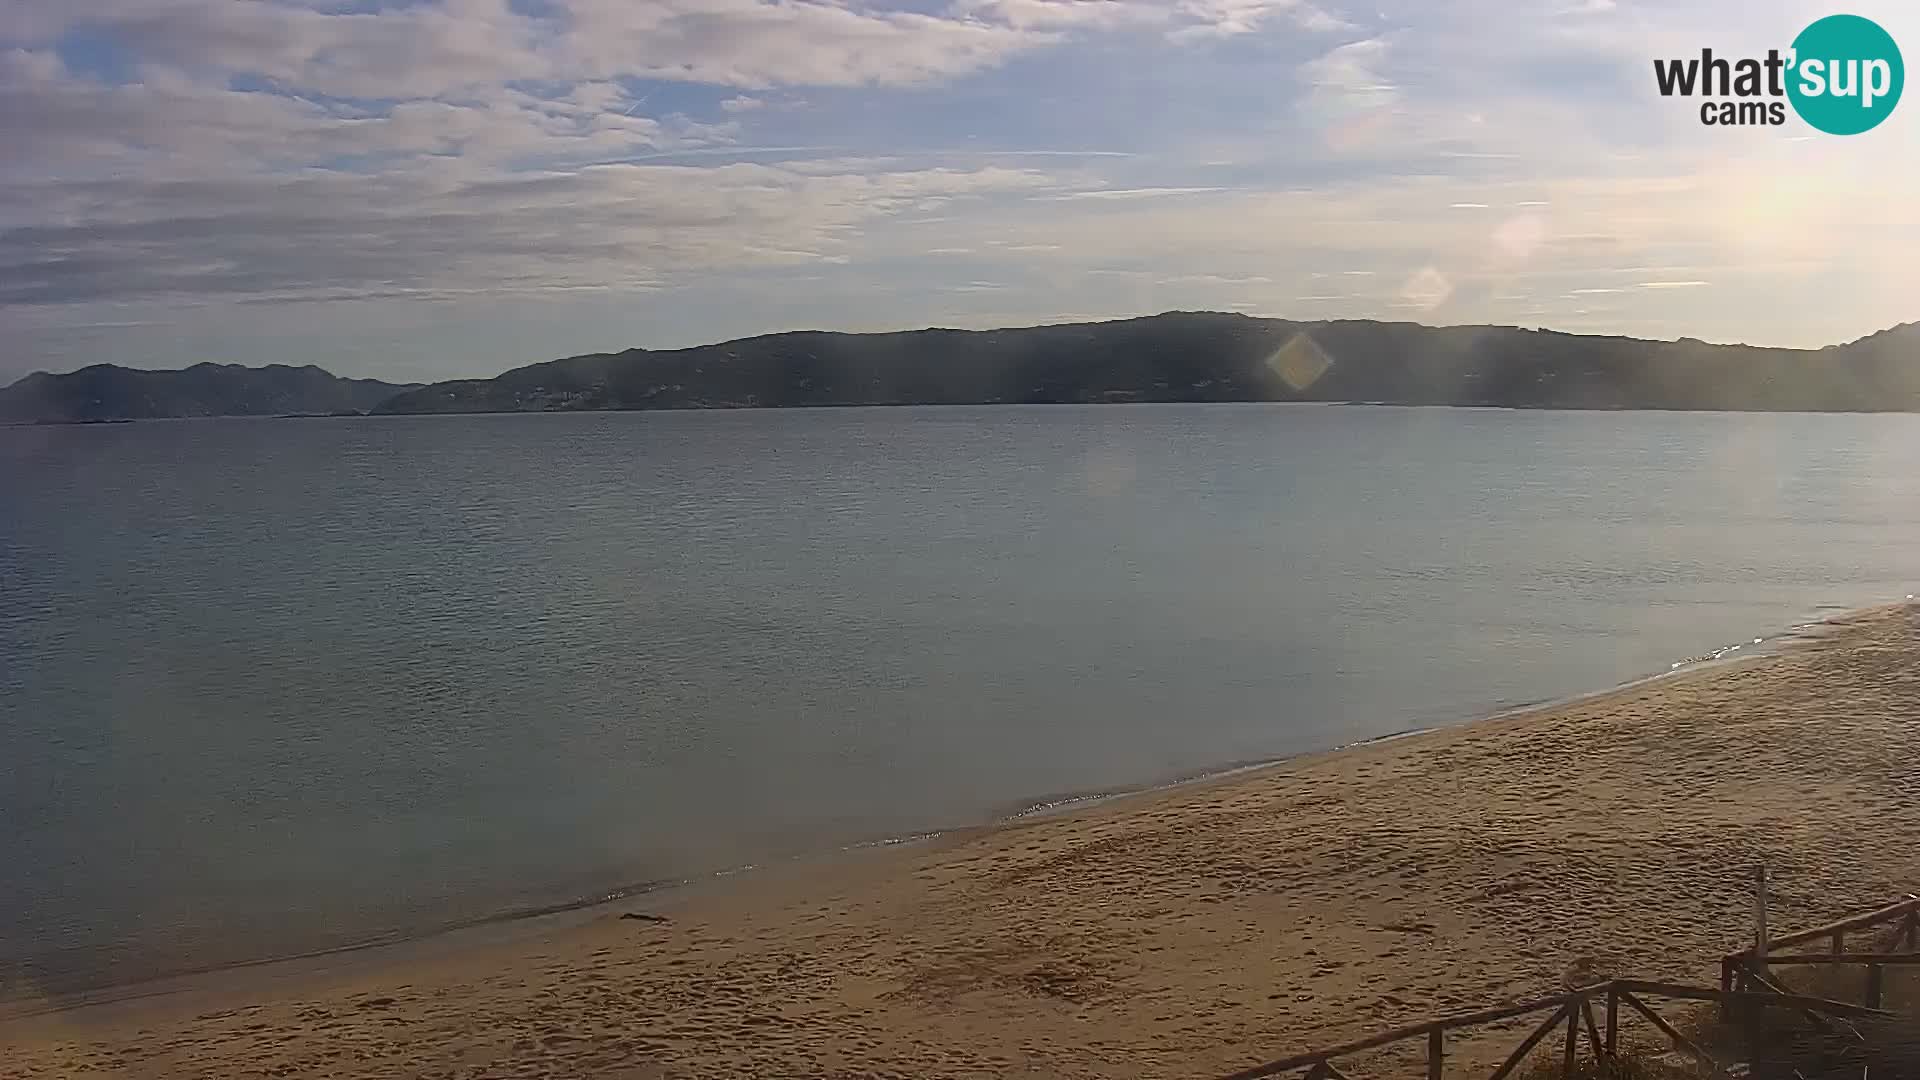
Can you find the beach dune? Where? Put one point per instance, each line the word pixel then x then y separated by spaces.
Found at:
pixel 1181 933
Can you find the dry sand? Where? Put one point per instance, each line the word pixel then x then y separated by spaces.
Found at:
pixel 1184 932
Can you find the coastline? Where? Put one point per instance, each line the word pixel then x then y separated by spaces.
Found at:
pixel 516 924
pixel 1365 884
pixel 373 952
pixel 1104 403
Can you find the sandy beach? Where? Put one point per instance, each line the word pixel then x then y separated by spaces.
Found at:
pixel 1180 933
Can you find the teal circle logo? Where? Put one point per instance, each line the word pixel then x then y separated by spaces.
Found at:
pixel 1846 75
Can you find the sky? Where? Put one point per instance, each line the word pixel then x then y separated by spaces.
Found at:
pixel 448 188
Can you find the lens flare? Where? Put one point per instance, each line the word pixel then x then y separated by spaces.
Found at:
pixel 1427 289
pixel 1300 362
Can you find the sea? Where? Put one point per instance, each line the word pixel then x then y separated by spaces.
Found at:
pixel 276 686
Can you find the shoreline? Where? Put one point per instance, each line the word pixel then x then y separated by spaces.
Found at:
pixel 1184 931
pixel 893 405
pixel 515 923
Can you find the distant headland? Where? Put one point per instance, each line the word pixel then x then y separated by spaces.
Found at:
pixel 1172 357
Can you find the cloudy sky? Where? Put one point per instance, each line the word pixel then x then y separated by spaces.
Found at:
pixel 452 187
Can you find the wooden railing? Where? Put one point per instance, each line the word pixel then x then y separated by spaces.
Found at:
pixel 1574 1009
pixel 1754 967
pixel 1744 979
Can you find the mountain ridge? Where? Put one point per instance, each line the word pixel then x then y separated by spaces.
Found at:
pixel 1206 356
pixel 1173 356
pixel 110 392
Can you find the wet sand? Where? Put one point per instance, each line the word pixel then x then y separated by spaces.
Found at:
pixel 1184 932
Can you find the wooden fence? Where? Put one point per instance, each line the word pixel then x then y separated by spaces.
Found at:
pixel 1754 967
pixel 1745 979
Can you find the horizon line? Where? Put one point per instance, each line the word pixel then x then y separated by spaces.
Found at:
pixel 1065 320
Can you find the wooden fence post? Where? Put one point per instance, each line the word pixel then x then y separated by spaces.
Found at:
pixel 1874 985
pixel 1613 1020
pixel 1435 1041
pixel 1573 1039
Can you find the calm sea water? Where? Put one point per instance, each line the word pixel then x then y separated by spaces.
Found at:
pixel 272 686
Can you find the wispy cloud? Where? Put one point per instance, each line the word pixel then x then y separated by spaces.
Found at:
pixel 1139 193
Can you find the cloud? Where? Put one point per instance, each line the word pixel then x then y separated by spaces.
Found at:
pixel 1230 18
pixel 413 51
pixel 1061 14
pixel 1351 68
pixel 757 44
pixel 1345 84
pixel 1139 193
pixel 455 46
pixel 1179 21
pixel 1217 279
pixel 58 123
pixel 338 234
